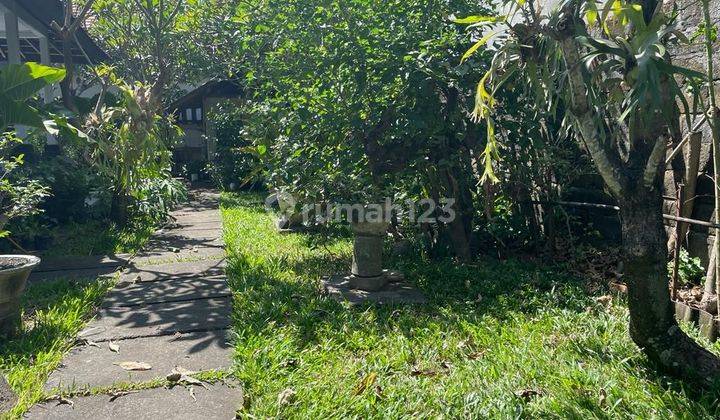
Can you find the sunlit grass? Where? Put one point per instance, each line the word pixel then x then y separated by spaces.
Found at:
pixel 497 340
pixel 53 312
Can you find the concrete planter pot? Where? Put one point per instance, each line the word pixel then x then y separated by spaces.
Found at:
pixel 367 271
pixel 14 272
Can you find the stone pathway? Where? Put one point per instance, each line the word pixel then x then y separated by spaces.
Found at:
pixel 171 308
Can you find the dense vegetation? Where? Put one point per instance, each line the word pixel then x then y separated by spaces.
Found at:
pixel 508 110
pixel 498 339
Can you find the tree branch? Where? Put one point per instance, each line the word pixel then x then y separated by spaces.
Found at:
pixel 606 160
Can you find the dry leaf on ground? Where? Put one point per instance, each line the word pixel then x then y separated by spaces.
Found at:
pixel 134 365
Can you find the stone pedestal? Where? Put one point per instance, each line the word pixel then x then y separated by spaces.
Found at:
pixel 367 272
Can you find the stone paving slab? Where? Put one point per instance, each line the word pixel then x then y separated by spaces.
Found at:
pixel 219 401
pixel 202 233
pixel 183 255
pixel 213 223
pixel 176 290
pixel 159 319
pixel 91 366
pixel 397 292
pixel 83 274
pixel 81 262
pixel 161 272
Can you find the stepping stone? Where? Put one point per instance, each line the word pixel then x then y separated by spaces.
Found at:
pixel 396 292
pixel 210 224
pixel 91 366
pixel 218 401
pixel 161 272
pixel 159 319
pixel 82 274
pixel 185 237
pixel 81 262
pixel 189 254
pixel 177 290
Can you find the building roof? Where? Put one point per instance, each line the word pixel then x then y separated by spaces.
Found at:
pixel 211 89
pixel 36 17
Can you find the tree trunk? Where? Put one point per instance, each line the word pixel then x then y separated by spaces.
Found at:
pixel 652 319
pixel 119 207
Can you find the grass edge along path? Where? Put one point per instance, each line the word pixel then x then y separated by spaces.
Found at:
pixel 54 312
pixel 499 339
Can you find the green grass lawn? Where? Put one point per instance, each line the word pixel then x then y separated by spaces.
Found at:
pixel 497 340
pixel 53 313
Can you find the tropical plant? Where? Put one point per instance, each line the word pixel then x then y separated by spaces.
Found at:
pixel 18 197
pixel 19 83
pixel 129 145
pixel 605 68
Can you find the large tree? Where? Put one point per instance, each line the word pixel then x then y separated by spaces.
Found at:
pixel 607 67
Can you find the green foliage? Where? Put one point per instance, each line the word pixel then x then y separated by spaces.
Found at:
pixel 235 161
pixel 498 339
pixel 352 98
pixel 158 196
pixel 18 84
pixel 690 270
pixel 18 197
pixel 622 69
pixel 129 143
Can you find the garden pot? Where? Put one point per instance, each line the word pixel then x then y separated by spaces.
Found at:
pixel 367 272
pixel 14 272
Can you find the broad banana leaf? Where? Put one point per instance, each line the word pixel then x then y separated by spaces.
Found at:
pixel 18 83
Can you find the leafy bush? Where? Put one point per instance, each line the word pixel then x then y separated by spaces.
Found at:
pixel 234 161
pixel 158 196
pixel 18 197
pixel 690 270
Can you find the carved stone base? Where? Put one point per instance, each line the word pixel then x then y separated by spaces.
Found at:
pixel 395 291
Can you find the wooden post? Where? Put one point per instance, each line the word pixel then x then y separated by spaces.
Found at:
pixel 678 242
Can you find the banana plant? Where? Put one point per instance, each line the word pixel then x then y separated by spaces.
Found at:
pixel 18 84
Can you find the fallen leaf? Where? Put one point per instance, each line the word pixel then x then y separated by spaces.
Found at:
pixel 422 372
pixel 192 393
pixel 289 363
pixel 287 396
pixel 61 400
pixel 173 377
pixel 604 300
pixel 134 365
pixel 114 347
pixel 365 383
pixel 527 394
pixel 182 376
pixel 181 370
pixel 117 394
pixel 602 401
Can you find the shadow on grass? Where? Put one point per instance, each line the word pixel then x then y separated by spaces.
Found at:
pixel 275 291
